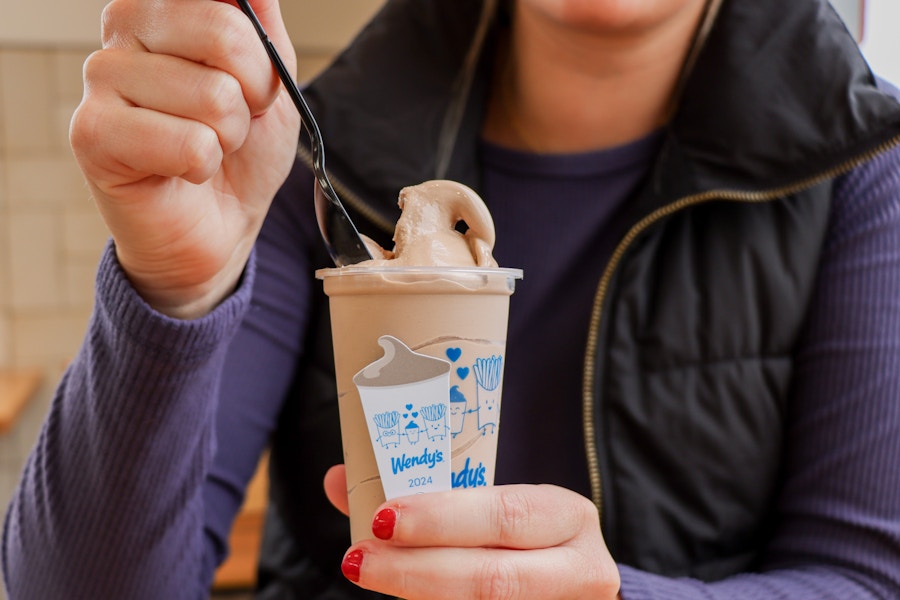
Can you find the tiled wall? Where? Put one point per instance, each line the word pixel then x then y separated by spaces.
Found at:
pixel 50 230
pixel 50 234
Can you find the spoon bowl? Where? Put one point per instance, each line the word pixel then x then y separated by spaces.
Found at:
pixel 340 235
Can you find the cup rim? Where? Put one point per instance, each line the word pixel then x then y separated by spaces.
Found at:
pixel 413 270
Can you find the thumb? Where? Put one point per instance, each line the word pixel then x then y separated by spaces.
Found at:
pixel 335 484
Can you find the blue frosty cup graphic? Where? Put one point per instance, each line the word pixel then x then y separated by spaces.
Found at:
pixel 407 391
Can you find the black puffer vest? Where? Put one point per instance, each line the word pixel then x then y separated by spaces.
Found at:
pixel 689 365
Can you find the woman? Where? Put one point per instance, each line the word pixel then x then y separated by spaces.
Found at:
pixel 705 200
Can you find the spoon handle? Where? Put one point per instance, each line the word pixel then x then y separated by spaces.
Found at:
pixel 290 85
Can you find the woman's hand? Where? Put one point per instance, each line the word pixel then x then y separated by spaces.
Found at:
pixel 184 136
pixel 511 542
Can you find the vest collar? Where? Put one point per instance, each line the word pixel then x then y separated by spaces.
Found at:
pixel 789 84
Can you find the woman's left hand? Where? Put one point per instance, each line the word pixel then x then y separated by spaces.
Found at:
pixel 511 542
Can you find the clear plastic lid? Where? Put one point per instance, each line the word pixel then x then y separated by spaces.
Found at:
pixel 404 270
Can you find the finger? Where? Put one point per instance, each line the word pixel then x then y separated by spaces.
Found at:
pixel 452 573
pixel 116 143
pixel 336 488
pixel 215 34
pixel 173 86
pixel 512 516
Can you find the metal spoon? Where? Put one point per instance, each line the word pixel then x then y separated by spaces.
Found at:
pixel 338 232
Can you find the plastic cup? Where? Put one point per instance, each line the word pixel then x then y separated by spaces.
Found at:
pixel 454 314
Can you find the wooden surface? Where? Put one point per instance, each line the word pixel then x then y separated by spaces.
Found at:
pixel 239 570
pixel 17 387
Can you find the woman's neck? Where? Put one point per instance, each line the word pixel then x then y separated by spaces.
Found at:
pixel 558 90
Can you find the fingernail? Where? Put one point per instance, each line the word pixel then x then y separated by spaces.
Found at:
pixel 383 524
pixel 351 565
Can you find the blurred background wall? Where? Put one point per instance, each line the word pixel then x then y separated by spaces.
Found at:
pixel 50 234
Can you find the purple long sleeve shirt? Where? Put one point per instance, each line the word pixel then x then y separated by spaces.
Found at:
pixel 158 424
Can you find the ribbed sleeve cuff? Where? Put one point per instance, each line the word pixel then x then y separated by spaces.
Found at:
pixel 639 585
pixel 131 319
pixel 809 583
pixel 634 585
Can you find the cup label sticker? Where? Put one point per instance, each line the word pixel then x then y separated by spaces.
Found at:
pixel 406 402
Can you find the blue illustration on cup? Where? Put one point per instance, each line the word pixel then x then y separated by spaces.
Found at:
pixel 388 426
pixel 488 375
pixel 412 431
pixel 458 406
pixel 435 416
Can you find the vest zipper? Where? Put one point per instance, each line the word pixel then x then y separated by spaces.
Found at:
pixel 347 196
pixel 589 382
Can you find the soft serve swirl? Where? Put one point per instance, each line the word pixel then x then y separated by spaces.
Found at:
pixel 426 233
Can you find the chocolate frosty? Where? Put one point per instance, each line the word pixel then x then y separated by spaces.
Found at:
pixel 438 294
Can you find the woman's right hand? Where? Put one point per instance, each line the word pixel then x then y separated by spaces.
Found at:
pixel 184 135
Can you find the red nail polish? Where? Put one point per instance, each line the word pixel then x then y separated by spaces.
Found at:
pixel 383 524
pixel 351 565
